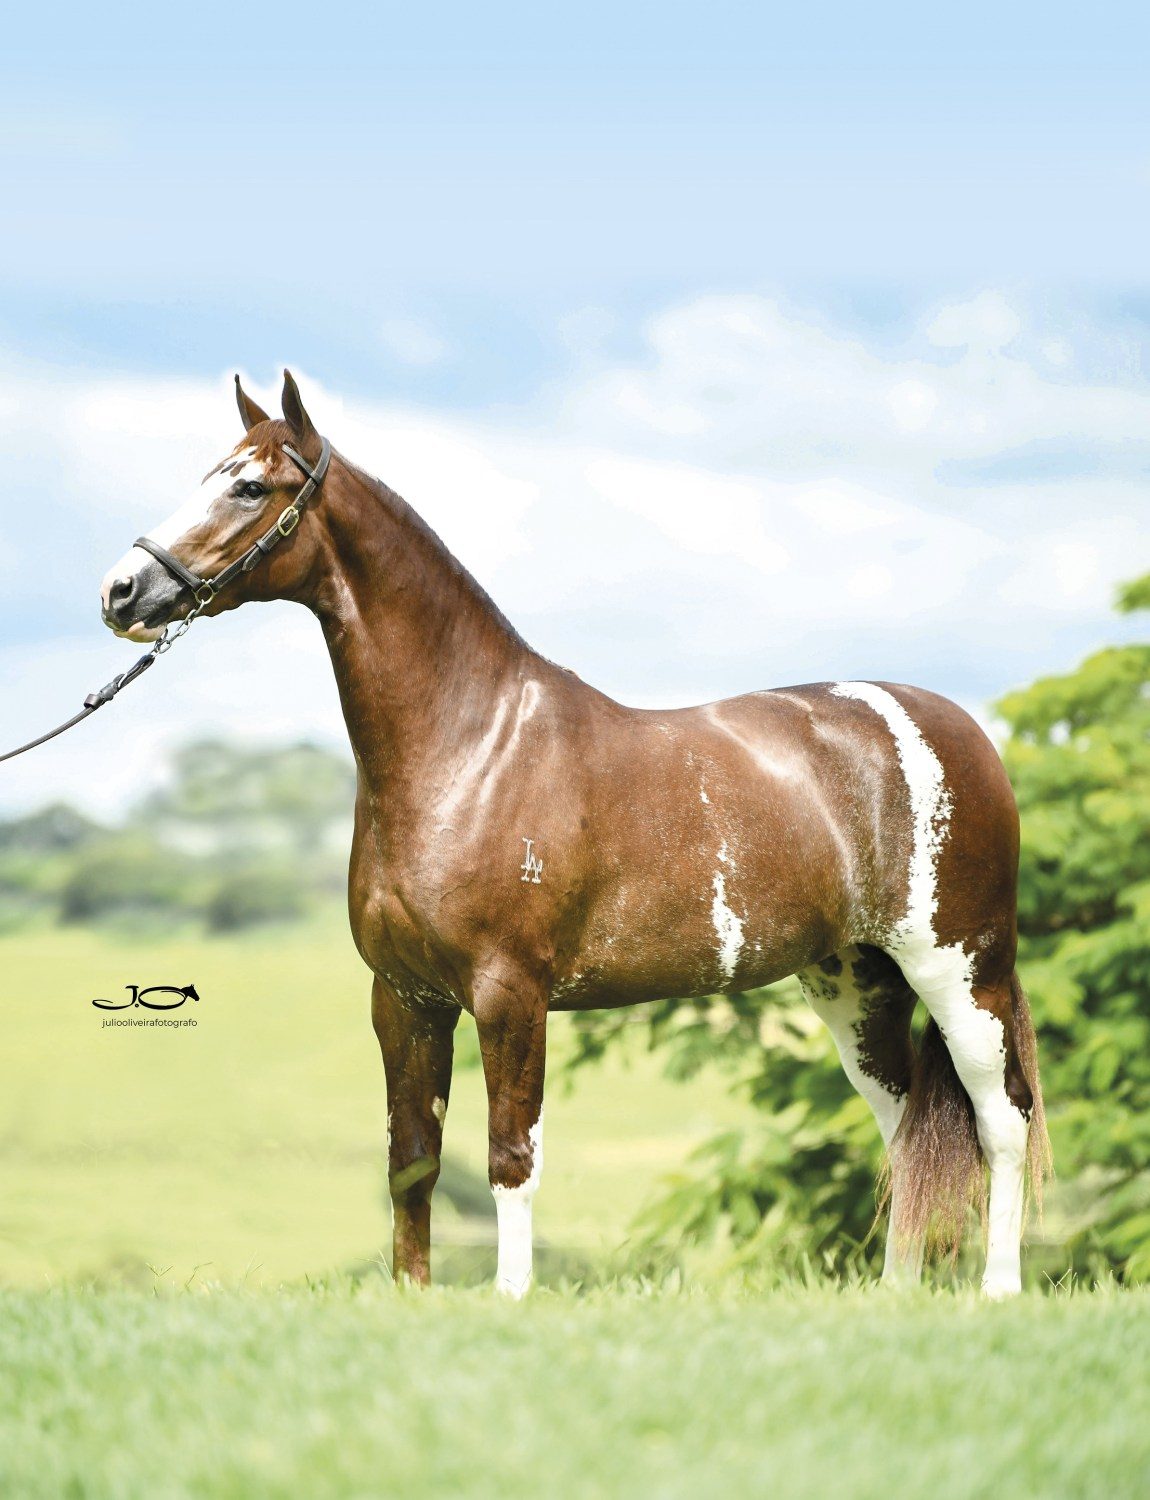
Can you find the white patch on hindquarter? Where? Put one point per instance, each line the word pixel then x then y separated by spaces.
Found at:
pixel 194 512
pixel 913 936
pixel 942 974
pixel 439 1108
pixel 513 1215
pixel 728 924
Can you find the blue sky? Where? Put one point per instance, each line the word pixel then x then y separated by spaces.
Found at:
pixel 868 284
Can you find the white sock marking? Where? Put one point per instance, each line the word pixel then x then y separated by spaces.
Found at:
pixel 513 1216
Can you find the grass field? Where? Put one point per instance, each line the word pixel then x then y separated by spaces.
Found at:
pixel 250 1149
pixel 368 1392
pixel 193 1300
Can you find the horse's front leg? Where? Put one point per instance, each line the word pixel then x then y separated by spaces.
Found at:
pixel 416 1042
pixel 511 1019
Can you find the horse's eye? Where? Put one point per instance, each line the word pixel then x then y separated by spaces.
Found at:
pixel 253 490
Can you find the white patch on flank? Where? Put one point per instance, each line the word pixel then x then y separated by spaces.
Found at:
pixel 439 1108
pixel 194 512
pixel 728 924
pixel 513 1215
pixel 703 798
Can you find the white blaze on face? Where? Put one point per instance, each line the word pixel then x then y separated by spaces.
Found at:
pixel 513 1214
pixel 728 924
pixel 242 466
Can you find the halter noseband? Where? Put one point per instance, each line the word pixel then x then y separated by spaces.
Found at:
pixel 206 589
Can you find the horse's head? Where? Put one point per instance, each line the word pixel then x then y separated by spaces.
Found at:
pixel 236 505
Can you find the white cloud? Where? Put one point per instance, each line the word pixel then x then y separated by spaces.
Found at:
pixel 762 499
pixel 987 322
pixel 700 512
pixel 740 384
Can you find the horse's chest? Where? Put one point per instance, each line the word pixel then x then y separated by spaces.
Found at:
pixel 434 906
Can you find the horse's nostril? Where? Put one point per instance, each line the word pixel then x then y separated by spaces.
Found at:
pixel 121 591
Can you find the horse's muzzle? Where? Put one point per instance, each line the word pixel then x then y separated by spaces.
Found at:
pixel 140 605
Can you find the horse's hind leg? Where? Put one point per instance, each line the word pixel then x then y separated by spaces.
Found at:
pixel 985 1026
pixel 866 1003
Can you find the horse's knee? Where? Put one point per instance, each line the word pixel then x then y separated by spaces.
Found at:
pixel 515 1153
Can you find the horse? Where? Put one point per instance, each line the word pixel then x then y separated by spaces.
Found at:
pixel 523 843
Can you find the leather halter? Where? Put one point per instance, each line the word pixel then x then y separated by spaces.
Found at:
pixel 204 590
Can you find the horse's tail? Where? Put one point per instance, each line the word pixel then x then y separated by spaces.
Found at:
pixel 935 1173
pixel 1039 1158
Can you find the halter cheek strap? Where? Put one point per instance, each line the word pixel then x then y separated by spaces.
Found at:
pixel 206 589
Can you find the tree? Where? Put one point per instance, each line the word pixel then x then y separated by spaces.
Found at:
pixel 227 797
pixel 798 1183
pixel 1079 756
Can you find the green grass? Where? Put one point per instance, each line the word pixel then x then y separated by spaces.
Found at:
pixel 367 1392
pixel 252 1146
pixel 193 1305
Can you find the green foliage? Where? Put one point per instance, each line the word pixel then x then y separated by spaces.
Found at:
pixel 799 1182
pixel 259 893
pixel 119 875
pixel 230 796
pixel 1079 757
pixel 797 1185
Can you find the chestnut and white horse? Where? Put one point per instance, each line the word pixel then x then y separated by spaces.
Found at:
pixel 523 843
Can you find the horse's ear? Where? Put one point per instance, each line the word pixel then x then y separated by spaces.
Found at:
pixel 294 413
pixel 250 414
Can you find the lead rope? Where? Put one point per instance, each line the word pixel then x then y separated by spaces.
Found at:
pixel 105 694
pixel 205 590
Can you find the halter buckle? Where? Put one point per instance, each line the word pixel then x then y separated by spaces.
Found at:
pixel 288 521
pixel 204 595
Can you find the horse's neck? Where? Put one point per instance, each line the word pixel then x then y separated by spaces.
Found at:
pixel 421 654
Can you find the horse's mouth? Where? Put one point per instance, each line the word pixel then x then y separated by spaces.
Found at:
pixel 138 631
